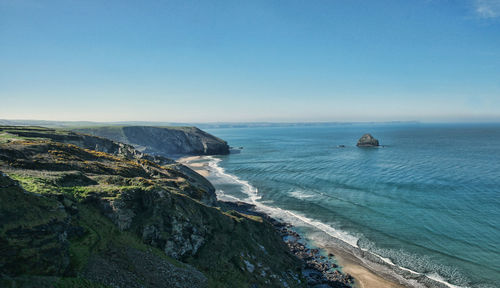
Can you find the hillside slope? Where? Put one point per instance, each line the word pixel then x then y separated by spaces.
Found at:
pixel 165 141
pixel 82 211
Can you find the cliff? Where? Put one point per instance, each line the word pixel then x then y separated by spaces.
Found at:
pixel 83 211
pixel 165 141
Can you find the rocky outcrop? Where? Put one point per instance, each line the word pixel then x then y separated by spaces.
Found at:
pixel 82 217
pixel 164 141
pixel 33 232
pixel 129 267
pixel 367 140
pixel 221 244
pixel 36 235
pixel 17 151
pixel 99 144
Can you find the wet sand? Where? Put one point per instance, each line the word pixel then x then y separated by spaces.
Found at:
pixel 364 276
pixel 190 161
pixel 367 279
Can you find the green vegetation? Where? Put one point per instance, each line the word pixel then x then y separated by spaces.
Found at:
pixel 74 215
pixel 4 137
pixel 77 282
pixel 49 281
pixel 12 136
pixel 101 234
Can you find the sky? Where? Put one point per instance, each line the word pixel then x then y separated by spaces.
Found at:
pixel 250 61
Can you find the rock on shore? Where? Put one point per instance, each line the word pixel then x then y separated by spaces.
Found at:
pixel 318 270
pixel 367 140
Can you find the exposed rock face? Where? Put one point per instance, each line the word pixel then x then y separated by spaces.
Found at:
pixel 165 141
pixel 129 267
pixel 199 188
pixel 35 237
pixel 33 232
pixel 367 140
pixel 72 215
pixel 85 141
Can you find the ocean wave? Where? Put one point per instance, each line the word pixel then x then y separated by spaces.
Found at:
pixel 218 171
pixel 420 265
pixel 296 219
pixel 299 194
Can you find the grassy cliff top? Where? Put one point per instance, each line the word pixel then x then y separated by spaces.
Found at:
pixel 82 211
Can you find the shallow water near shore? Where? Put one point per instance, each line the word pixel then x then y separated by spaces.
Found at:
pixel 428 201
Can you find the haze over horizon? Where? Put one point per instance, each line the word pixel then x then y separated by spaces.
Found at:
pixel 235 61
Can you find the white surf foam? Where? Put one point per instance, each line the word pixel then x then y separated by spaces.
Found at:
pixel 218 171
pixel 276 212
pixel 300 194
pixel 436 277
pixel 297 219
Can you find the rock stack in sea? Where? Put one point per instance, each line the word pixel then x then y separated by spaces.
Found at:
pixel 367 140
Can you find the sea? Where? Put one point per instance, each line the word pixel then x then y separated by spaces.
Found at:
pixel 426 202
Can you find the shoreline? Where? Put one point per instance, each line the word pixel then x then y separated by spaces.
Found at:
pixel 317 268
pixel 200 168
pixel 349 263
pixel 365 276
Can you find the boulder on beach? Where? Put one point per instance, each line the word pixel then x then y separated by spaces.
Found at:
pixel 367 140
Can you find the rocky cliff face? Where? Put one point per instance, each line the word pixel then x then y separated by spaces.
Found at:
pixel 72 215
pixel 99 144
pixel 165 141
pixel 33 231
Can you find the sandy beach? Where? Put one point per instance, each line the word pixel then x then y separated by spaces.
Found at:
pixel 190 161
pixel 364 276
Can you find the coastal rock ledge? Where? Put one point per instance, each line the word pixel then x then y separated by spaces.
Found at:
pixel 367 140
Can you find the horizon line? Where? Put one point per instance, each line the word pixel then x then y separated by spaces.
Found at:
pixel 496 121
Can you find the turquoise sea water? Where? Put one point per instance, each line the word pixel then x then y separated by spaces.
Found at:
pixel 429 200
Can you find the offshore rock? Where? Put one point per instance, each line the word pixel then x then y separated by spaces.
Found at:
pixel 367 140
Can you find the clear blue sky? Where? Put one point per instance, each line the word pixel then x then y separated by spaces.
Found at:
pixel 192 61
